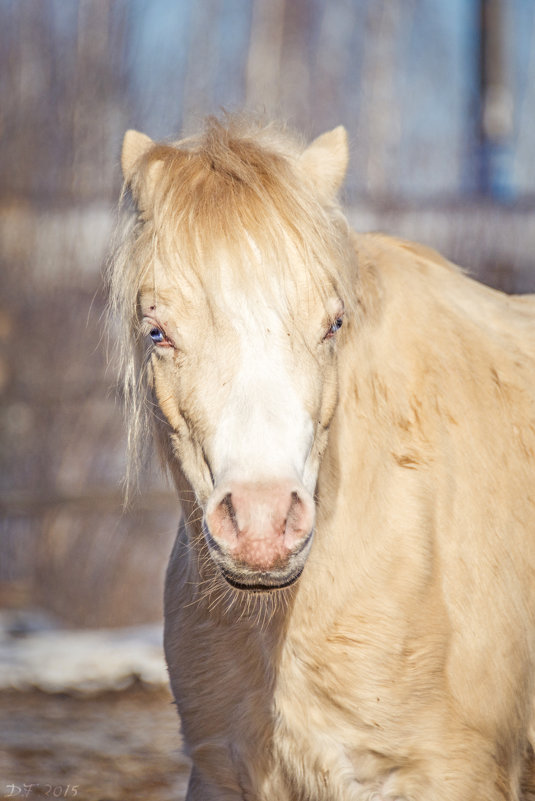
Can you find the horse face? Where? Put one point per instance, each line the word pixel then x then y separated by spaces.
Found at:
pixel 244 371
pixel 248 394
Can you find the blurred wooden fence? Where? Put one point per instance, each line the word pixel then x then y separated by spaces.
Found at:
pixel 438 98
pixel 439 102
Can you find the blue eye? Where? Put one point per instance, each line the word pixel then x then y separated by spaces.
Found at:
pixel 156 335
pixel 334 328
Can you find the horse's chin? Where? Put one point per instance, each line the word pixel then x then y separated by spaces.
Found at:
pixel 259 582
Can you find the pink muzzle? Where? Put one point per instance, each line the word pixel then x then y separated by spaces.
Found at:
pixel 258 531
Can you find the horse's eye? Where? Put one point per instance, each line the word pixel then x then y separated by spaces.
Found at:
pixel 337 324
pixel 157 336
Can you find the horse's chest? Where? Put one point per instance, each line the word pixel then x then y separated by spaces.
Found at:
pixel 322 738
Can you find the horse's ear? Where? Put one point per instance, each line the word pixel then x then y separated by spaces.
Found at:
pixel 325 160
pixel 135 145
pixel 138 174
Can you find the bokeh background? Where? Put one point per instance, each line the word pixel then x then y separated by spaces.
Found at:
pixel 439 101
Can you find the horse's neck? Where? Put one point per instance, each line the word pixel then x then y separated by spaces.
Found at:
pixel 360 481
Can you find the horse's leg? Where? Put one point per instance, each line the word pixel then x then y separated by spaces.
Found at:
pixel 199 789
pixel 528 776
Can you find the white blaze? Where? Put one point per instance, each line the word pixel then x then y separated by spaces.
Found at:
pixel 264 431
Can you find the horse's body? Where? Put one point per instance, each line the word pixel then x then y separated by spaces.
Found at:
pixel 400 664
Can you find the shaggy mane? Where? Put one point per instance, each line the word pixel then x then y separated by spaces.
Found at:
pixel 236 188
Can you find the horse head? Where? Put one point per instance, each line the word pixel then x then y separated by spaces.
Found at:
pixel 239 263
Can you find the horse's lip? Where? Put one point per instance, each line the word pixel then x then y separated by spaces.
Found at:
pixel 248 580
pixel 260 585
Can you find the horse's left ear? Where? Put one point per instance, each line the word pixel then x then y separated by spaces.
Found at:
pixel 325 160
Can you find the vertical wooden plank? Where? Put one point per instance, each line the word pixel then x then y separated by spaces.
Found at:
pixel 295 87
pixel 379 124
pixel 338 78
pixel 437 93
pixel 521 54
pixel 264 74
pixel 202 63
pixel 337 62
pixel 90 103
pixel 29 100
pixel 496 119
pixel 233 41
pixel 59 119
pixel 157 63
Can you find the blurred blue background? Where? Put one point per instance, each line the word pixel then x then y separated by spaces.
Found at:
pixel 439 102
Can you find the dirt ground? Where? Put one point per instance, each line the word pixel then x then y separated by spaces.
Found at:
pixel 118 746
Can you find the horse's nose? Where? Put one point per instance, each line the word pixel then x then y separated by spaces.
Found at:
pixel 260 524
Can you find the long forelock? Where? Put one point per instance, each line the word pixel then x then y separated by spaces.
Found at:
pixel 232 194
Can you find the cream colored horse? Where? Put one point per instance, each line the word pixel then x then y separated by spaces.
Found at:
pixel 350 424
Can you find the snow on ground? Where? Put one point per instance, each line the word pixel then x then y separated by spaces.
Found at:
pixel 36 655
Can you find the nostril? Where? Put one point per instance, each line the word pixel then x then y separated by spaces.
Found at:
pixel 299 519
pixel 293 509
pixel 297 502
pixel 221 520
pixel 228 509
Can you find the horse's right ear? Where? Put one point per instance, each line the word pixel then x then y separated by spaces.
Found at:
pixel 135 145
pixel 140 177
